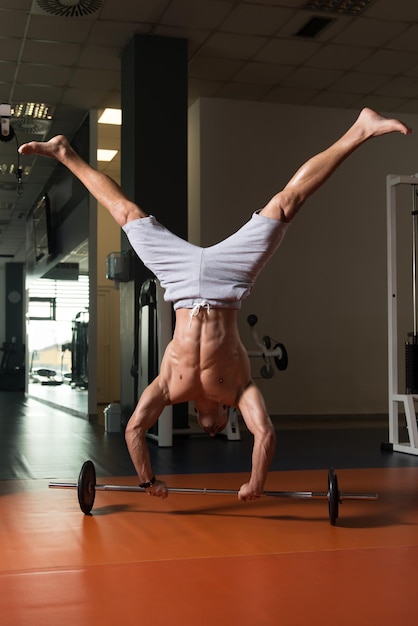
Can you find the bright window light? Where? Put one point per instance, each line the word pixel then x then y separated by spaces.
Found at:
pixel 111 116
pixel 106 155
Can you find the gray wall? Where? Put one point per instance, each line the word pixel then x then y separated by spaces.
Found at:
pixel 324 293
pixel 2 308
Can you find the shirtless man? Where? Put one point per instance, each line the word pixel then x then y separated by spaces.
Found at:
pixel 206 362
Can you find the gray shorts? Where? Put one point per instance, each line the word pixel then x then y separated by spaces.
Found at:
pixel 219 276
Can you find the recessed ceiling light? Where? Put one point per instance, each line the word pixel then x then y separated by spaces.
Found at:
pixel 33 110
pixel 106 155
pixel 10 169
pixel 111 116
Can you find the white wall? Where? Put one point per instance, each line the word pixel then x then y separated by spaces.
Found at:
pixel 108 305
pixel 324 293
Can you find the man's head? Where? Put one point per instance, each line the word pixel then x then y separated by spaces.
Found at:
pixel 212 416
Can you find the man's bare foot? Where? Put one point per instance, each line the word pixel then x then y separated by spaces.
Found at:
pixel 373 124
pixel 56 148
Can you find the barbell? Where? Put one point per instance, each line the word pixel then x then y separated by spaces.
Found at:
pixel 87 487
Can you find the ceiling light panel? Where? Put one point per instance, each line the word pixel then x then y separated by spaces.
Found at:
pixel 34 110
pixel 111 116
pixel 106 155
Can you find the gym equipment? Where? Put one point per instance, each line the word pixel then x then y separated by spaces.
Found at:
pixel 79 351
pixel 87 487
pixel 155 331
pixel 393 182
pixel 333 497
pixel 12 366
pixel 277 354
pixel 411 346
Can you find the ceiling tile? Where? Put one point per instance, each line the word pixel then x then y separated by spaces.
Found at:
pixel 17 5
pixel 311 78
pixel 37 93
pixel 413 71
pixel 369 32
pixel 13 23
pixel 287 95
pixel 9 48
pixel 356 82
pixel 134 11
pixel 213 69
pixel 399 86
pixel 115 34
pixel 43 74
pixel 233 46
pixel 399 10
pixel 195 37
pixel 7 71
pixel 296 4
pixel 36 51
pixel 94 79
pixel 112 99
pixel 287 51
pixel 410 107
pixel 390 61
pixel 382 103
pixel 89 99
pixel 257 20
pixel 263 73
pixel 203 88
pixel 408 40
pixel 49 27
pixel 100 56
pixel 338 56
pixel 242 91
pixel 205 14
pixel 334 99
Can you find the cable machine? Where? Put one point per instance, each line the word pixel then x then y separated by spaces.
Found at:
pixel 80 351
pixel 408 398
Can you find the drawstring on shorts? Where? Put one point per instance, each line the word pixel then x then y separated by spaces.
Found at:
pixel 197 306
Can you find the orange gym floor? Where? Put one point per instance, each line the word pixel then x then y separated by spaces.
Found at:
pixel 202 559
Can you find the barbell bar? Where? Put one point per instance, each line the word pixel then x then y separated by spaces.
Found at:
pixel 87 487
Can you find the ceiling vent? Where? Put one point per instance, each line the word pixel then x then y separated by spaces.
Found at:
pixel 69 8
pixel 314 26
pixel 342 7
pixel 31 126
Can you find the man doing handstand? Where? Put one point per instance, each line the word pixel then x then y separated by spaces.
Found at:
pixel 205 362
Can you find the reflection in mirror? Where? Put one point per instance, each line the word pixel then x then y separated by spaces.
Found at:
pixel 57 331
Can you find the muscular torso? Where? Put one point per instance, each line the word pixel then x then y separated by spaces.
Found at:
pixel 205 358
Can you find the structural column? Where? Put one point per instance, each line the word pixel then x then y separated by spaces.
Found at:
pixel 13 350
pixel 153 161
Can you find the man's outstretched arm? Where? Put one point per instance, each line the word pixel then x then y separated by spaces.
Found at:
pixel 106 191
pixel 254 413
pixel 147 412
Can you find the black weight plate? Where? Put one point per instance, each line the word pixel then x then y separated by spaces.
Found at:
pixel 86 488
pixel 333 497
pixel 283 362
